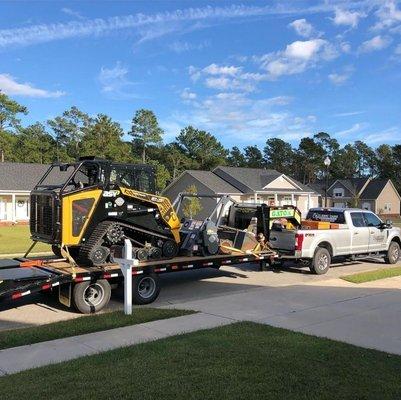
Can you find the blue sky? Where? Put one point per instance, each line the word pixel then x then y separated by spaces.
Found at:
pixel 243 71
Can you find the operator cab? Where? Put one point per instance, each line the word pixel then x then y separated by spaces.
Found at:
pixel 90 172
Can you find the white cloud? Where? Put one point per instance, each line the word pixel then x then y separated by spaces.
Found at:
pixel 297 57
pixel 182 47
pixel 376 43
pixel 346 17
pixel 114 81
pixel 233 115
pixel 397 50
pixel 303 49
pixel 387 15
pixel 214 69
pixel 339 78
pixel 186 94
pixel 345 47
pixel 71 13
pixel 351 131
pixel 10 86
pixel 302 27
pixel 147 25
pixel 225 77
pixel 387 135
pixel 348 113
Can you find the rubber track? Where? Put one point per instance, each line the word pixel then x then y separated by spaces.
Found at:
pixel 97 237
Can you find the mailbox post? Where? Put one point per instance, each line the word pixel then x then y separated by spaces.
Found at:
pixel 126 263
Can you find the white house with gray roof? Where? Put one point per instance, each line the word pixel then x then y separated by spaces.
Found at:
pixel 247 185
pixel 16 182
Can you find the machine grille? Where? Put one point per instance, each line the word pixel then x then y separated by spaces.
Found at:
pixel 43 213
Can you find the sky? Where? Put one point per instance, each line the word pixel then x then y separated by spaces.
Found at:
pixel 244 71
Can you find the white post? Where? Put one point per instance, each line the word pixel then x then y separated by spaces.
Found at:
pixel 293 199
pixel 126 263
pixel 13 210
pixel 275 199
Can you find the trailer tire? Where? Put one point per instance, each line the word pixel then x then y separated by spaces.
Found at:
pixel 91 297
pixel 393 253
pixel 321 261
pixel 145 288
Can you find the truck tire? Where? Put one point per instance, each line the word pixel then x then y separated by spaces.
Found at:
pixel 91 297
pixel 321 261
pixel 393 253
pixel 145 288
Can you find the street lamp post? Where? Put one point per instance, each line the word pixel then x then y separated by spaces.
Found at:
pixel 327 163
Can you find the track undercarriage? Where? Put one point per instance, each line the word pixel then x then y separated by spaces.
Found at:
pixel 147 245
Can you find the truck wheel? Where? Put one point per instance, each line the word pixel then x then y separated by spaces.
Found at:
pixel 393 253
pixel 321 261
pixel 145 288
pixel 91 297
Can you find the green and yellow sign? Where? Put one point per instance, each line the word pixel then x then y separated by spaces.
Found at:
pixel 282 213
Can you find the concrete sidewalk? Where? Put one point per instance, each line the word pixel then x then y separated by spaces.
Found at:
pixel 21 358
pixel 366 315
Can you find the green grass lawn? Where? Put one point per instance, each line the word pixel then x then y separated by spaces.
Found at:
pixel 240 361
pixel 84 324
pixel 373 275
pixel 16 239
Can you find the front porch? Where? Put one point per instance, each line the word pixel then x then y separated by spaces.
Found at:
pixel 14 207
pixel 303 201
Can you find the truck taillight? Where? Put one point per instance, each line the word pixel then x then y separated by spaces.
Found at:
pixel 299 239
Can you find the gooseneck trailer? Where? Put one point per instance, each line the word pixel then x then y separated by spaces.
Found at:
pixel 88 289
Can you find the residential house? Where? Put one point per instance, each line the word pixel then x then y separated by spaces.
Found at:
pixel 377 195
pixel 16 182
pixel 247 185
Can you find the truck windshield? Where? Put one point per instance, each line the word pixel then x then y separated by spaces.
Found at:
pixel 326 215
pixel 71 176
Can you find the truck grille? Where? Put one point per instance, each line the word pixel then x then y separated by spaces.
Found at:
pixel 43 216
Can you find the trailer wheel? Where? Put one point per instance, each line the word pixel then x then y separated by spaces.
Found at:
pixel 393 253
pixel 91 297
pixel 321 261
pixel 145 288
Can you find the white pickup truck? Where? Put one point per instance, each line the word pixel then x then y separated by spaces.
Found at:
pixel 360 233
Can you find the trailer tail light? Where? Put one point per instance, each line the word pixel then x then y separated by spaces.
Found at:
pixel 299 239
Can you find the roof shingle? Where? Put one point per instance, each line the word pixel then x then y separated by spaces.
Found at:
pixel 373 189
pixel 213 182
pixel 20 176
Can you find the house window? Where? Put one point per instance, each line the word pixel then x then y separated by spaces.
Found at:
pixel 339 192
pixel 286 201
pixel 366 206
pixel 387 207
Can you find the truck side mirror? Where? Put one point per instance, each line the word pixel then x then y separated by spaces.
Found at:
pixel 389 223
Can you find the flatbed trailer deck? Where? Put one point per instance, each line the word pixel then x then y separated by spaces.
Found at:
pixel 89 288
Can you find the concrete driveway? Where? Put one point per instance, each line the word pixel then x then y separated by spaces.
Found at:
pixel 368 315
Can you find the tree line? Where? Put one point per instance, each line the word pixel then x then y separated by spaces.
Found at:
pixel 75 133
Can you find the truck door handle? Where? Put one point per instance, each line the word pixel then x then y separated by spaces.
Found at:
pixel 356 233
pixel 273 239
